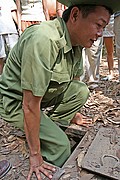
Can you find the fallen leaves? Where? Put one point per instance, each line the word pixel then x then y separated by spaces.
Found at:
pixel 104 103
pixel 10 143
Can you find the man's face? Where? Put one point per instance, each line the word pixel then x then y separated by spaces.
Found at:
pixel 86 30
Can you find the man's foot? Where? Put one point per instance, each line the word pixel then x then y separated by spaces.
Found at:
pixel 79 119
pixel 4 168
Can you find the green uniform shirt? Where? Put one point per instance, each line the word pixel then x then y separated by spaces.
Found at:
pixel 43 61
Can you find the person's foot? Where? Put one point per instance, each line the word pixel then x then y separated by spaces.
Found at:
pixel 108 78
pixel 79 119
pixel 4 168
pixel 93 86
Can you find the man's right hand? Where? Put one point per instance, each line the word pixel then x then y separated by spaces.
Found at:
pixel 38 166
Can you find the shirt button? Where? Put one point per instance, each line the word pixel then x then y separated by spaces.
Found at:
pixel 57 42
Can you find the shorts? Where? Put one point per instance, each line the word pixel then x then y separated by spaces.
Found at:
pixel 7 41
pixel 25 24
pixel 108 31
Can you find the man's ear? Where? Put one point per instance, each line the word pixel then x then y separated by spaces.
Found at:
pixel 75 16
pixel 75 13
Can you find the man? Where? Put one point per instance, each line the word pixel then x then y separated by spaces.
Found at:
pixel 42 71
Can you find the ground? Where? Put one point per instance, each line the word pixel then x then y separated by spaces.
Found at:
pixel 103 106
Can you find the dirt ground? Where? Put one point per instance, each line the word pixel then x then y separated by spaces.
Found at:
pixel 102 106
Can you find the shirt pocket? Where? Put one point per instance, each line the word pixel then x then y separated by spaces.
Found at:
pixel 60 77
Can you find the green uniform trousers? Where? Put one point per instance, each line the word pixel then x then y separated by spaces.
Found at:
pixel 55 146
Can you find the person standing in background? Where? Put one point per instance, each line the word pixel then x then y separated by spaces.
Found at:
pixel 91 61
pixel 59 9
pixel 55 9
pixel 31 12
pixel 51 5
pixel 8 32
pixel 117 37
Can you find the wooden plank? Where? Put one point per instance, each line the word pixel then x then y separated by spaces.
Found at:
pixel 101 156
pixel 73 169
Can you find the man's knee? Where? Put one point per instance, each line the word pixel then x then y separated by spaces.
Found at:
pixel 83 92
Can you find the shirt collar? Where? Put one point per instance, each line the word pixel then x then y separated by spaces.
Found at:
pixel 68 46
pixel 65 37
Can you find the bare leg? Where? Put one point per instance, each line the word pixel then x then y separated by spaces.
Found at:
pixel 1 65
pixel 119 68
pixel 109 47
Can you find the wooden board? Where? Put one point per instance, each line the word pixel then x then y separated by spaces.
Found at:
pixel 103 155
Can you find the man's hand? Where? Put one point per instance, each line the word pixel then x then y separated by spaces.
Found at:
pixel 38 166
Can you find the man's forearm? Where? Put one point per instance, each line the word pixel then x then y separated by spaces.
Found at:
pixel 31 108
pixel 32 127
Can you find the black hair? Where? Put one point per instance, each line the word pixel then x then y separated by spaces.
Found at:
pixel 85 9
